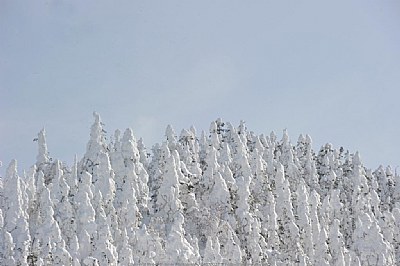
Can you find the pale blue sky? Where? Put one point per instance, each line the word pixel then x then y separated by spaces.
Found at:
pixel 327 68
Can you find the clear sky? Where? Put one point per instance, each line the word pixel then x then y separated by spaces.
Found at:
pixel 327 68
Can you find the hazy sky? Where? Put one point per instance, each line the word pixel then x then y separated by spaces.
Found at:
pixel 327 68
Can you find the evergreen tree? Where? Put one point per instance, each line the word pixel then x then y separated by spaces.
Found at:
pixel 143 154
pixel 322 255
pixel 147 248
pixel 86 214
pixel 96 146
pixel 48 235
pixel 304 221
pixel 178 249
pixel 135 168
pixel 256 244
pixel 5 248
pixel 8 250
pixel 288 231
pixel 369 243
pixel 103 248
pixel 212 251
pixel 15 214
pixel 315 223
pixel 125 254
pixel 270 224
pixel 168 203
pixel 229 244
pixel 336 244
pixel 227 197
pixel 396 233
pixel 43 157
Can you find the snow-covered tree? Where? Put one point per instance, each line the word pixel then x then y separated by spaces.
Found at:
pixel 288 231
pixel 147 247
pixel 212 251
pixel 8 250
pixel 304 221
pixel 103 247
pixel 322 255
pixel 229 244
pixel 314 219
pixel 270 223
pixel 178 249
pixel 168 203
pixel 135 169
pixel 125 254
pixel 86 215
pixel 396 233
pixel 230 197
pixel 96 145
pixel 369 243
pixel 336 244
pixel 15 214
pixel 43 155
pixel 52 247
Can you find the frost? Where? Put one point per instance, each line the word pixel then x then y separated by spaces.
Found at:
pixel 228 196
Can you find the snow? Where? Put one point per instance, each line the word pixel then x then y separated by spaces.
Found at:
pixel 227 196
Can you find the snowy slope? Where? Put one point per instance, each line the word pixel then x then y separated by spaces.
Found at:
pixel 226 196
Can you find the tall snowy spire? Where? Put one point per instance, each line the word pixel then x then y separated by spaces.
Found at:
pixel 129 146
pixel 96 142
pixel 43 155
pixel 171 138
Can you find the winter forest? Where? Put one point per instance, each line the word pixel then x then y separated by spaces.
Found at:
pixel 225 196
